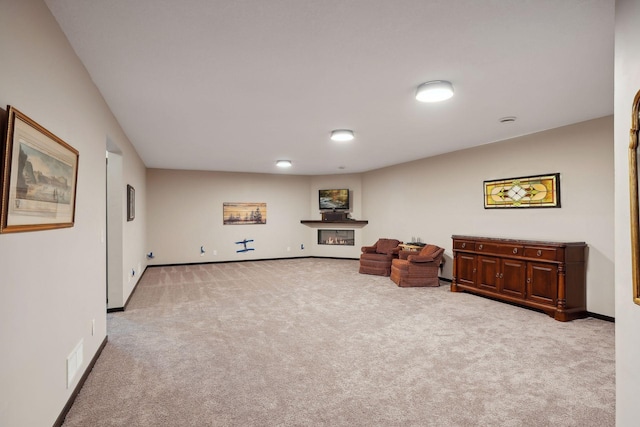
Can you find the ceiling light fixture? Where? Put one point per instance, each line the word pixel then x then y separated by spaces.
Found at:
pixel 434 91
pixel 283 163
pixel 342 135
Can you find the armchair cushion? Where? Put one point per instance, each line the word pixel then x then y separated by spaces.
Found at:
pixel 426 254
pixel 386 246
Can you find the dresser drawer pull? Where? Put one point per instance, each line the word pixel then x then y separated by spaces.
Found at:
pixel 480 247
pixel 464 244
pixel 539 252
pixel 515 250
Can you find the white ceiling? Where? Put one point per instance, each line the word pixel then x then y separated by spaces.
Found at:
pixel 234 85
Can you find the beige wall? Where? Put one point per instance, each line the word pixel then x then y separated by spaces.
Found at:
pixel 185 213
pixel 52 283
pixel 627 83
pixel 438 197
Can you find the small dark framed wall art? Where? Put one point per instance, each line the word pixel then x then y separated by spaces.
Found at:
pixel 131 203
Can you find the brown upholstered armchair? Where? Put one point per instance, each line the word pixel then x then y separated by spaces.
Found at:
pixel 377 259
pixel 417 268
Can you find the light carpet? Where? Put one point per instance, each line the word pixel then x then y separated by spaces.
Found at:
pixel 309 342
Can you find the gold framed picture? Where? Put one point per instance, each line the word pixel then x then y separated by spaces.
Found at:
pixel 538 191
pixel 39 177
pixel 634 202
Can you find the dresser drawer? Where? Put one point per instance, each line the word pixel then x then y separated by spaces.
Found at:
pixel 489 248
pixel 516 250
pixel 464 245
pixel 542 253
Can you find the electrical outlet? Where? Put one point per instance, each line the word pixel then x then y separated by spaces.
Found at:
pixel 288 248
pixel 215 252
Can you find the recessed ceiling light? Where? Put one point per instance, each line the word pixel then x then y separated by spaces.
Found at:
pixel 342 135
pixel 434 91
pixel 283 163
pixel 508 119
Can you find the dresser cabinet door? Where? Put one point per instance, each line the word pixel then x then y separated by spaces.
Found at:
pixel 488 272
pixel 466 269
pixel 513 277
pixel 542 283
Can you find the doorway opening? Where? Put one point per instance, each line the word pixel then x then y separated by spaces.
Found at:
pixel 114 215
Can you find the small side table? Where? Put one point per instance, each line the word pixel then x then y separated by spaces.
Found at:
pixel 410 247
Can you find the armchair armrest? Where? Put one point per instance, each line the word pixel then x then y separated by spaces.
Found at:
pixel 432 257
pixel 368 249
pixel 418 258
pixel 405 254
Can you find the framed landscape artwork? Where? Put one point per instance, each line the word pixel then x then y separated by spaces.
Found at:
pixel 39 177
pixel 539 191
pixel 244 213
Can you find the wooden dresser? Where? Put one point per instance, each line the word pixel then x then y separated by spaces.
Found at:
pixel 548 276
